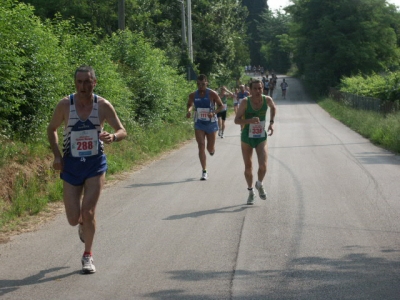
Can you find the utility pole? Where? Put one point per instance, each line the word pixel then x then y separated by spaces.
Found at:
pixel 121 14
pixel 190 44
pixel 187 42
pixel 189 16
pixel 184 41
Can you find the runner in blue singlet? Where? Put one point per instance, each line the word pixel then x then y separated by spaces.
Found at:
pixel 204 101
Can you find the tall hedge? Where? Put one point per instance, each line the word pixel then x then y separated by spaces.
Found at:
pixel 159 93
pixel 38 60
pixel 31 72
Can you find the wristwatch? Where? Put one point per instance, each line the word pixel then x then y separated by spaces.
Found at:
pixel 115 138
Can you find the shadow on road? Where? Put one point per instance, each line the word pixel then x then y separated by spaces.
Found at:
pixel 10 285
pixel 353 276
pixel 222 210
pixel 378 158
pixel 161 183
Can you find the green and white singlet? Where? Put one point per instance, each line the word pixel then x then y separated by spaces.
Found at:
pixel 254 134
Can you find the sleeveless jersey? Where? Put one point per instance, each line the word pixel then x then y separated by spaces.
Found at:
pixel 242 95
pixel 224 100
pixel 81 138
pixel 255 130
pixel 203 107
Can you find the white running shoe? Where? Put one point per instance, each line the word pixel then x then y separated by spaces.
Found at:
pixel 261 190
pixel 87 264
pixel 204 176
pixel 251 198
pixel 80 232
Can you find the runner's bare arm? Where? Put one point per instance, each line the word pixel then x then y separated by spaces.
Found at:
pixel 190 105
pixel 111 117
pixel 228 91
pixel 271 105
pixel 217 100
pixel 52 135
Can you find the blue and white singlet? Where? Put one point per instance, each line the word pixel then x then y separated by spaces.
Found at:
pixel 82 148
pixel 203 107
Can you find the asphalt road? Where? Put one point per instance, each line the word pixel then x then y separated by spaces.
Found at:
pixel 330 228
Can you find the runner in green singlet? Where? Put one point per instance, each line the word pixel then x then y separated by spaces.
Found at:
pixel 252 115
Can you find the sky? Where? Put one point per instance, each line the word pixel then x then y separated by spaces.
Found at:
pixel 278 4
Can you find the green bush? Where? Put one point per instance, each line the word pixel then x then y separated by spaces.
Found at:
pixel 38 61
pixel 82 47
pixel 159 94
pixel 31 68
pixel 380 129
pixel 382 86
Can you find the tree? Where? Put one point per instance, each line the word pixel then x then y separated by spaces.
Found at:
pixel 218 36
pixel 342 38
pixel 101 14
pixel 31 71
pixel 275 40
pixel 256 9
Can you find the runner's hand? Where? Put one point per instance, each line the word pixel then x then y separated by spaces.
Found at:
pixel 106 137
pixel 58 164
pixel 270 129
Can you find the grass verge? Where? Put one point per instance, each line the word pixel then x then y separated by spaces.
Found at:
pixel 382 130
pixel 28 184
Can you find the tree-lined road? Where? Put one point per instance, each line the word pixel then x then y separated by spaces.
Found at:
pixel 330 228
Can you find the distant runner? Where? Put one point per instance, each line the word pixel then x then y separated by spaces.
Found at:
pixel 242 95
pixel 284 87
pixel 224 94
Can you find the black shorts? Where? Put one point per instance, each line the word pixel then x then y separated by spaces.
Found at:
pixel 222 114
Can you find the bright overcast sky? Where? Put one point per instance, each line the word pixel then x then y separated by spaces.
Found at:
pixel 279 4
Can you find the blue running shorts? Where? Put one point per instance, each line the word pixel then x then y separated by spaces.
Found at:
pixel 208 127
pixel 78 169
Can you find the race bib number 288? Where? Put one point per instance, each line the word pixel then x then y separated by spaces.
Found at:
pixel 84 143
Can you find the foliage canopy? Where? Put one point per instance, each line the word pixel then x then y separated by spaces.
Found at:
pixel 342 38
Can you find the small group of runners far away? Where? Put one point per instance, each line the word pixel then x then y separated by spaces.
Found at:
pixel 251 116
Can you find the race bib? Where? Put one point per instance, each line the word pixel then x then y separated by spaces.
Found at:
pixel 84 143
pixel 257 130
pixel 202 114
pixel 225 107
